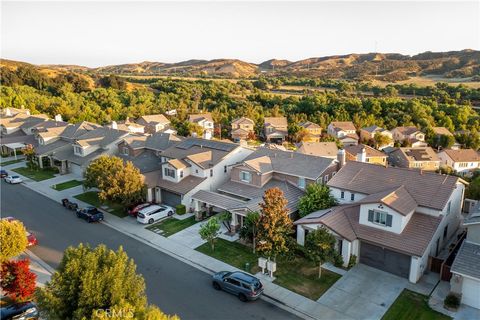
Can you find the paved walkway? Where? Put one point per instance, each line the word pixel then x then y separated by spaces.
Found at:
pixel 436 302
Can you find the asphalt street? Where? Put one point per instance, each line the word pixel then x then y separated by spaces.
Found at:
pixel 174 286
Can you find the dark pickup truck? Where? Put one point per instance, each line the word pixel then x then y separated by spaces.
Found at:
pixel 90 214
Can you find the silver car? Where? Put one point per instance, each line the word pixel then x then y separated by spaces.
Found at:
pixel 246 287
pixel 13 179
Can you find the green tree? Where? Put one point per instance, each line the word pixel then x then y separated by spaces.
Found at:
pixel 320 247
pixel 116 181
pixel 275 224
pixel 29 153
pixel 209 231
pixel 13 239
pixel 195 129
pixel 317 197
pixel 250 228
pixel 381 140
pixel 89 282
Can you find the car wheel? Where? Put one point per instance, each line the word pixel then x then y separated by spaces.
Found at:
pixel 242 297
pixel 170 213
pixel 150 221
pixel 216 286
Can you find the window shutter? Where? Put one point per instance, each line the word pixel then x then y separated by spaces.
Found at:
pixel 389 220
pixel 370 215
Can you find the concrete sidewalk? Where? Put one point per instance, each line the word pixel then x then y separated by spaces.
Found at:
pixel 39 267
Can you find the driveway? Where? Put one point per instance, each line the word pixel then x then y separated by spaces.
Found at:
pixel 364 292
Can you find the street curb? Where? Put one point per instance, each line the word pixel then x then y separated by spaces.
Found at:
pixel 42 263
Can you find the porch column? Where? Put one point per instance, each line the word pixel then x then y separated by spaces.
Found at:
pixel 149 195
pixel 300 235
pixel 64 167
pixel 346 252
pixel 40 162
pixel 196 209
pixel 234 222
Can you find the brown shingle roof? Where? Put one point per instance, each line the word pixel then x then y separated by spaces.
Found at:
pixel 442 131
pixel 343 125
pixel 243 120
pixel 319 149
pixel 371 152
pixel 276 121
pixel 428 189
pixel 417 154
pixel 155 179
pixel 309 125
pixel 200 117
pixel 177 164
pixel 462 155
pixel 202 159
pixel 397 198
pixel 407 130
pixel 261 164
pixel 154 119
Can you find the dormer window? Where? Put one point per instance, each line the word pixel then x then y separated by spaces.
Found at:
pixel 125 151
pixel 245 176
pixel 352 197
pixel 342 194
pixel 78 150
pixel 181 174
pixel 380 217
pixel 169 173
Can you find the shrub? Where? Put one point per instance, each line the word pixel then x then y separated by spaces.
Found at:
pixel 338 260
pixel 180 209
pixel 353 261
pixel 452 300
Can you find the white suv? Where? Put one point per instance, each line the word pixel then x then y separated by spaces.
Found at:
pixel 153 213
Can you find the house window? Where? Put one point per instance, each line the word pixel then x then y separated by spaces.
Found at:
pixel 333 173
pixel 181 174
pixel 196 170
pixel 245 176
pixel 352 197
pixel 169 172
pixel 445 232
pixel 380 217
pixel 342 194
pixel 211 172
pixel 125 151
pixel 78 150
pixel 301 183
pixel 325 179
pixel 225 169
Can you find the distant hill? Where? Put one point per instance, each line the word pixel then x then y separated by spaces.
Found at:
pixel 370 66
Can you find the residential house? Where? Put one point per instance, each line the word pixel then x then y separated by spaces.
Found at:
pixel 442 131
pixel 275 129
pixel 392 219
pixel 344 131
pixel 313 129
pixel 242 128
pixel 131 126
pixel 364 153
pixel 415 158
pixel 411 134
pixel 262 170
pixel 465 269
pixel 319 149
pixel 462 161
pixel 368 134
pixel 153 123
pixel 191 165
pixel 205 121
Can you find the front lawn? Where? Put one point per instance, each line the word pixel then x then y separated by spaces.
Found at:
pixel 299 275
pixel 91 197
pixel 67 185
pixel 411 305
pixel 36 174
pixel 171 226
pixel 6 163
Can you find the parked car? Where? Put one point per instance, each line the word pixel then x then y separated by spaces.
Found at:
pixel 69 204
pixel 90 214
pixel 13 179
pixel 3 173
pixel 153 213
pixel 246 287
pixel 32 240
pixel 20 311
pixel 133 210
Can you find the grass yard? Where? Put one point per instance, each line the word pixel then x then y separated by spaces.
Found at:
pixel 411 305
pixel 91 197
pixel 299 275
pixel 172 225
pixel 6 163
pixel 37 175
pixel 67 185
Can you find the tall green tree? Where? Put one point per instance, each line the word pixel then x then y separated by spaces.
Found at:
pixel 317 197
pixel 381 140
pixel 13 239
pixel 275 224
pixel 250 228
pixel 91 281
pixel 209 231
pixel 320 247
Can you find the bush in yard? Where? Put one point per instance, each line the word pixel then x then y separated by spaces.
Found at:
pixel 452 301
pixel 209 231
pixel 88 280
pixel 338 260
pixel 317 197
pixel 13 239
pixel 180 209
pixel 352 262
pixel 17 281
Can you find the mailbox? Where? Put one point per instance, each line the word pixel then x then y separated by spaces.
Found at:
pixel 271 266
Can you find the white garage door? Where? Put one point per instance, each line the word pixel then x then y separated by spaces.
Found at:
pixel 471 293
pixel 76 169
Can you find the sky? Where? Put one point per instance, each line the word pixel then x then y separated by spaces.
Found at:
pixel 115 32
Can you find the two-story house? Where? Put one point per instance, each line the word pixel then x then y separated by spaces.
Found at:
pixel 369 133
pixel 275 129
pixel 423 158
pixel 242 128
pixel 465 269
pixel 319 149
pixel 130 126
pixel 205 121
pixel 392 219
pixel 462 161
pixel 364 153
pixel 313 129
pixel 262 170
pixel 344 131
pixel 191 165
pixel 153 123
pixel 411 134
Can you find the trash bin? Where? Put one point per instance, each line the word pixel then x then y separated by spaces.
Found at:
pixel 247 267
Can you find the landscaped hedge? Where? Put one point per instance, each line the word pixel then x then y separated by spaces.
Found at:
pixel 180 209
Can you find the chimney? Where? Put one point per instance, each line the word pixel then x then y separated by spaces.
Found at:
pixel 8 112
pixel 114 125
pixel 362 155
pixel 341 158
pixel 58 118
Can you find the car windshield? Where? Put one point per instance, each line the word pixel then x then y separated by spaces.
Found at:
pixel 226 275
pixel 15 177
